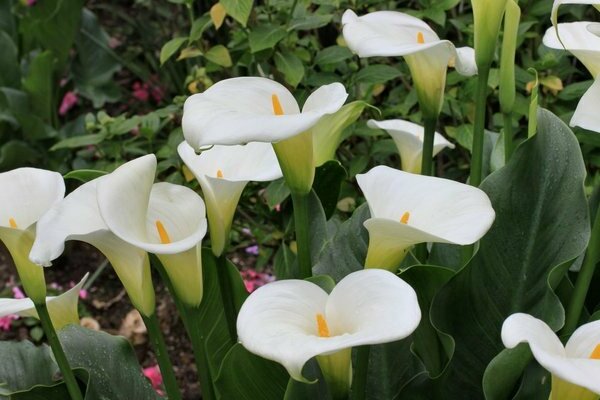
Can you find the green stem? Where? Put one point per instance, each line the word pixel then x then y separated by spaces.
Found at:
pixel 479 126
pixel 190 317
pixel 427 159
pixel 359 383
pixel 162 356
pixel 59 354
pixel 300 202
pixel 508 136
pixel 226 290
pixel 584 278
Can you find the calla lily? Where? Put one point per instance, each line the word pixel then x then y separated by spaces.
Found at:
pixel 62 309
pixel 223 172
pixel 487 15
pixel 292 321
pixel 558 3
pixel 575 367
pixel 250 109
pixel 407 209
pixel 27 193
pixel 77 217
pixel 391 33
pixel 408 137
pixel 165 219
pixel 579 38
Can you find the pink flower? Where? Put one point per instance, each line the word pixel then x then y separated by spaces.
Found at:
pixel 253 279
pixel 6 322
pixel 17 293
pixel 157 93
pixel 155 377
pixel 140 91
pixel 277 207
pixel 69 101
pixel 83 294
pixel 252 250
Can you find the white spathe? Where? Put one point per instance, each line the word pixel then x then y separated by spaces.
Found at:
pixel 408 137
pixel 407 209
pixel 223 172
pixel 571 363
pixel 279 321
pixel 577 38
pixel 62 308
pixel 165 219
pixel 241 110
pixel 27 193
pixel 77 217
pixel 558 3
pixel 392 33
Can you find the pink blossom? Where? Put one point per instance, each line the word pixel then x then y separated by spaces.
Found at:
pixel 6 322
pixel 277 207
pixel 140 91
pixel 253 279
pixel 18 293
pixel 157 93
pixel 83 294
pixel 69 101
pixel 155 377
pixel 252 250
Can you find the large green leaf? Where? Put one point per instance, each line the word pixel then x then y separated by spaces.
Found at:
pixel 95 63
pixel 238 9
pixel 265 36
pixel 290 66
pixel 517 260
pixel 245 376
pixel 10 73
pixel 39 85
pixel 327 185
pixel 17 363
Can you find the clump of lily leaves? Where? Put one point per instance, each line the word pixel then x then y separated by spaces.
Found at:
pixel 433 289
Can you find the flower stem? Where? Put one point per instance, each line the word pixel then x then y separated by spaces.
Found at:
pixel 162 356
pixel 427 159
pixel 508 136
pixel 301 221
pixel 584 278
pixel 226 290
pixel 479 126
pixel 57 350
pixel 359 383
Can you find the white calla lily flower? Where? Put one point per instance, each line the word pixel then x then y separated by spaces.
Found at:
pixel 392 33
pixel 586 115
pixel 223 172
pixel 249 109
pixel 62 308
pixel 292 321
pixel 27 193
pixel 558 3
pixel 408 137
pixel 77 217
pixel 575 367
pixel 165 219
pixel 407 209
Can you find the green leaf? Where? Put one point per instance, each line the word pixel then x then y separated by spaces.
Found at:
pixel 39 85
pixel 171 48
pixel 10 72
pixel 95 64
pixel 265 37
pixel 328 133
pixel 238 9
pixel 377 74
pixel 245 376
pixel 276 193
pixel 308 22
pixel 17 153
pixel 504 372
pixel 79 141
pixel 517 262
pixel 327 185
pixel 290 66
pixel 24 365
pixel 219 55
pixel 332 55
pixel 323 281
pixel 84 175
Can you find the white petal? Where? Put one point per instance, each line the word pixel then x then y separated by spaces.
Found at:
pixel 253 162
pixel 408 137
pixel 240 110
pixel 549 352
pixel 327 99
pixel 77 217
pixel 278 322
pixel 577 39
pixel 586 115
pixel 26 194
pixel 452 211
pixel 131 206
pixel 558 3
pixel 62 309
pixel 465 61
pixel 584 340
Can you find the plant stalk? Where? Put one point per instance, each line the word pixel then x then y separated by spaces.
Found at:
pixel 226 290
pixel 59 354
pixel 359 383
pixel 479 126
pixel 162 356
pixel 427 155
pixel 584 278
pixel 301 221
pixel 508 136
